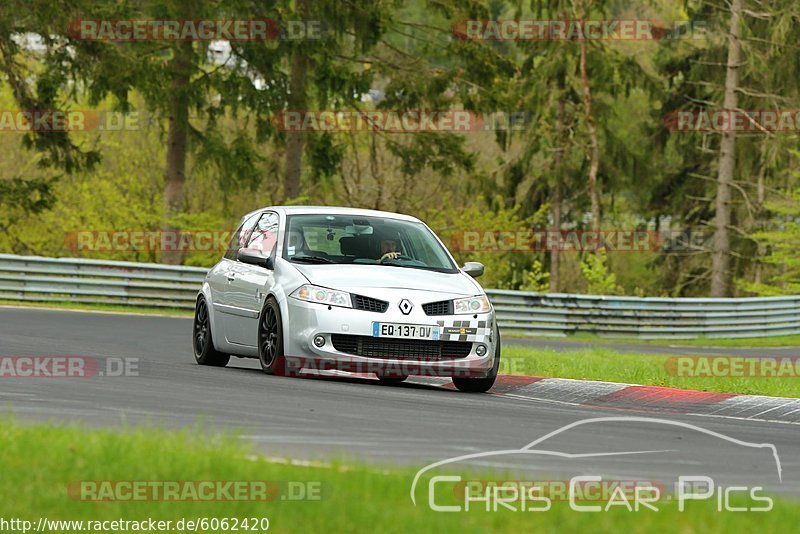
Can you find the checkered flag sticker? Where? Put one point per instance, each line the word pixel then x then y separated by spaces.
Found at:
pixel 468 330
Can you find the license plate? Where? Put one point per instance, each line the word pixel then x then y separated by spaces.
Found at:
pixel 406 331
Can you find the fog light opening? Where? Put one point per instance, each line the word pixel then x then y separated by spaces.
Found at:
pixel 319 341
pixel 480 350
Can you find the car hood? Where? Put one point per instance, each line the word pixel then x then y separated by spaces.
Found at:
pixel 350 277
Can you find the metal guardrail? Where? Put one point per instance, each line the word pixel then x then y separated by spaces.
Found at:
pixel 561 314
pixel 34 278
pixel 38 279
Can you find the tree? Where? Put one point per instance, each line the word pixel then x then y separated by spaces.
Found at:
pixel 36 78
pixel 719 179
pixel 296 100
pixel 581 12
pixel 720 266
pixel 550 82
pixel 172 76
pixel 312 73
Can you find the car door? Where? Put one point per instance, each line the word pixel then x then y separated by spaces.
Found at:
pixel 248 284
pixel 221 276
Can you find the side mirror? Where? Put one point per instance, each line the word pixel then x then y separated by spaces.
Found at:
pixel 254 258
pixel 473 268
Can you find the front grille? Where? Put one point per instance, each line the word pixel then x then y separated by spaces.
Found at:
pixel 443 307
pixel 369 304
pixel 400 349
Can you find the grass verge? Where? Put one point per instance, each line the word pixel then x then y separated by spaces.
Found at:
pixel 739 342
pixel 116 308
pixel 600 363
pixel 39 463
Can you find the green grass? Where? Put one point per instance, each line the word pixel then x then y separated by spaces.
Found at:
pixel 755 342
pixel 600 363
pixel 81 306
pixel 39 462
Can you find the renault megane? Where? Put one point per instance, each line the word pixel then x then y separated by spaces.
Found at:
pixel 346 289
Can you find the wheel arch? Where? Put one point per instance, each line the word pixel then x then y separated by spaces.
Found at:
pixel 281 298
pixel 205 292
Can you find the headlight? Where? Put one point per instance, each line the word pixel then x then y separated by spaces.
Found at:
pixel 323 295
pixel 479 304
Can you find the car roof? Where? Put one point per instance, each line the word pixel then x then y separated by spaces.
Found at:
pixel 335 210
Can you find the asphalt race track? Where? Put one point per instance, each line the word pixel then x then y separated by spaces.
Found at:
pixel 352 418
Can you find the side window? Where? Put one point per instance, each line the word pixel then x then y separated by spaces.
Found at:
pixel 240 237
pixel 265 234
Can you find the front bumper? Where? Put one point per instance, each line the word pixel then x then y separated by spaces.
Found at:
pixel 460 337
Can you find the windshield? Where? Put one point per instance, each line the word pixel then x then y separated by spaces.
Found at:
pixel 348 239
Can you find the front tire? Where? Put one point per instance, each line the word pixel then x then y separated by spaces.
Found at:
pixel 204 351
pixel 270 339
pixel 481 385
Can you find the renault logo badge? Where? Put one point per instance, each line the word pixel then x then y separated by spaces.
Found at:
pixel 405 306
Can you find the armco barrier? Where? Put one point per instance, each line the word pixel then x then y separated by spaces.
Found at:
pixel 33 278
pixel 656 318
pixel 38 279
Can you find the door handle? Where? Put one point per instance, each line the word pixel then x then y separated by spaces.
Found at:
pixel 230 277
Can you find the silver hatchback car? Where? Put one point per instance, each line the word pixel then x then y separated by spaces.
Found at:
pixel 325 288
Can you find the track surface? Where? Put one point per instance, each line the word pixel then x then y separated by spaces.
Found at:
pixel 360 419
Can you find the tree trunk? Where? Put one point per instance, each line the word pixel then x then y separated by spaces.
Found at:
pixel 720 264
pixel 594 147
pixel 555 253
pixel 177 134
pixel 759 222
pixel 558 158
pixel 296 101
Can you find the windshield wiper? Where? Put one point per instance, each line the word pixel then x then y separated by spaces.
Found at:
pixel 393 263
pixel 311 259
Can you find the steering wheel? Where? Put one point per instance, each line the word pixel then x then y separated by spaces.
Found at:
pixel 391 257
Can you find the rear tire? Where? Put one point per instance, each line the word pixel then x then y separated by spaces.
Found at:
pixel 270 339
pixel 481 385
pixel 204 351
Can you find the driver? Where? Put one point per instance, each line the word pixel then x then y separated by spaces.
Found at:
pixel 389 250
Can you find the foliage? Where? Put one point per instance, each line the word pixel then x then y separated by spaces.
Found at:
pixel 504 269
pixel 390 55
pixel 595 269
pixel 782 241
pixel 535 279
